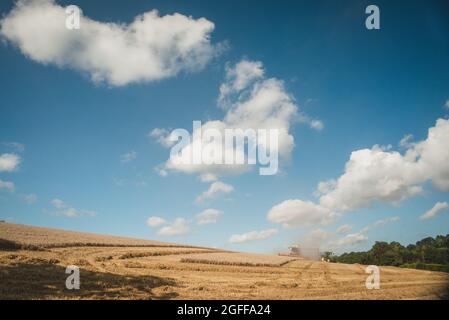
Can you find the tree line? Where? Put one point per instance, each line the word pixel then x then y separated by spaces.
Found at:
pixel 428 253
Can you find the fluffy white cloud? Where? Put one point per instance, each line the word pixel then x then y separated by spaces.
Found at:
pixel 253 235
pixel 432 213
pixel 216 189
pixel 152 47
pixel 447 104
pixel 9 162
pixel 372 174
pixel 63 209
pixel 179 227
pixel 155 221
pixel 7 185
pixel 292 213
pixel 128 157
pixel 208 216
pixel 375 175
pixel 250 101
pixel 239 78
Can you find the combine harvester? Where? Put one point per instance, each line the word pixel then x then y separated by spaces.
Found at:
pixel 302 253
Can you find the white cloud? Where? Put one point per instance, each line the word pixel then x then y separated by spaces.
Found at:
pixel 238 78
pixel 253 235
pixel 358 237
pixel 9 162
pixel 250 101
pixel 382 222
pixel 208 216
pixel 344 229
pixel 377 175
pixel 128 157
pixel 63 209
pixel 292 213
pixel 162 137
pixel 179 227
pixel 447 104
pixel 152 47
pixel 7 185
pixel 370 175
pixel 216 189
pixel 432 213
pixel 406 141
pixel 155 221
pixel 316 124
pixel 352 239
pixel 30 198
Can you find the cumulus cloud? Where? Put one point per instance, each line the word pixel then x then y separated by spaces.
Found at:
pixel 128 157
pixel 251 101
pixel 7 185
pixel 208 216
pixel 375 175
pixel 292 213
pixel 155 221
pixel 238 78
pixel 63 209
pixel 152 47
pixel 216 189
pixel 436 209
pixel 252 236
pixel 9 162
pixel 179 227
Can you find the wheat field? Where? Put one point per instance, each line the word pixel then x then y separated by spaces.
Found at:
pixel 33 263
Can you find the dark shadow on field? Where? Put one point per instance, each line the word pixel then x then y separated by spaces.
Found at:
pixel 8 245
pixel 47 281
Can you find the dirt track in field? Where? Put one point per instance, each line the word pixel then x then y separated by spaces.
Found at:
pixel 156 272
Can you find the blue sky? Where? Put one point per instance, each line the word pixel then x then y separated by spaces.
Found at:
pixel 367 87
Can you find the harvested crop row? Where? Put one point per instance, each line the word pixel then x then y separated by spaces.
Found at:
pixel 238 259
pixel 131 255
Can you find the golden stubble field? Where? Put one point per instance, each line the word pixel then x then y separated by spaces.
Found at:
pixel 33 262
